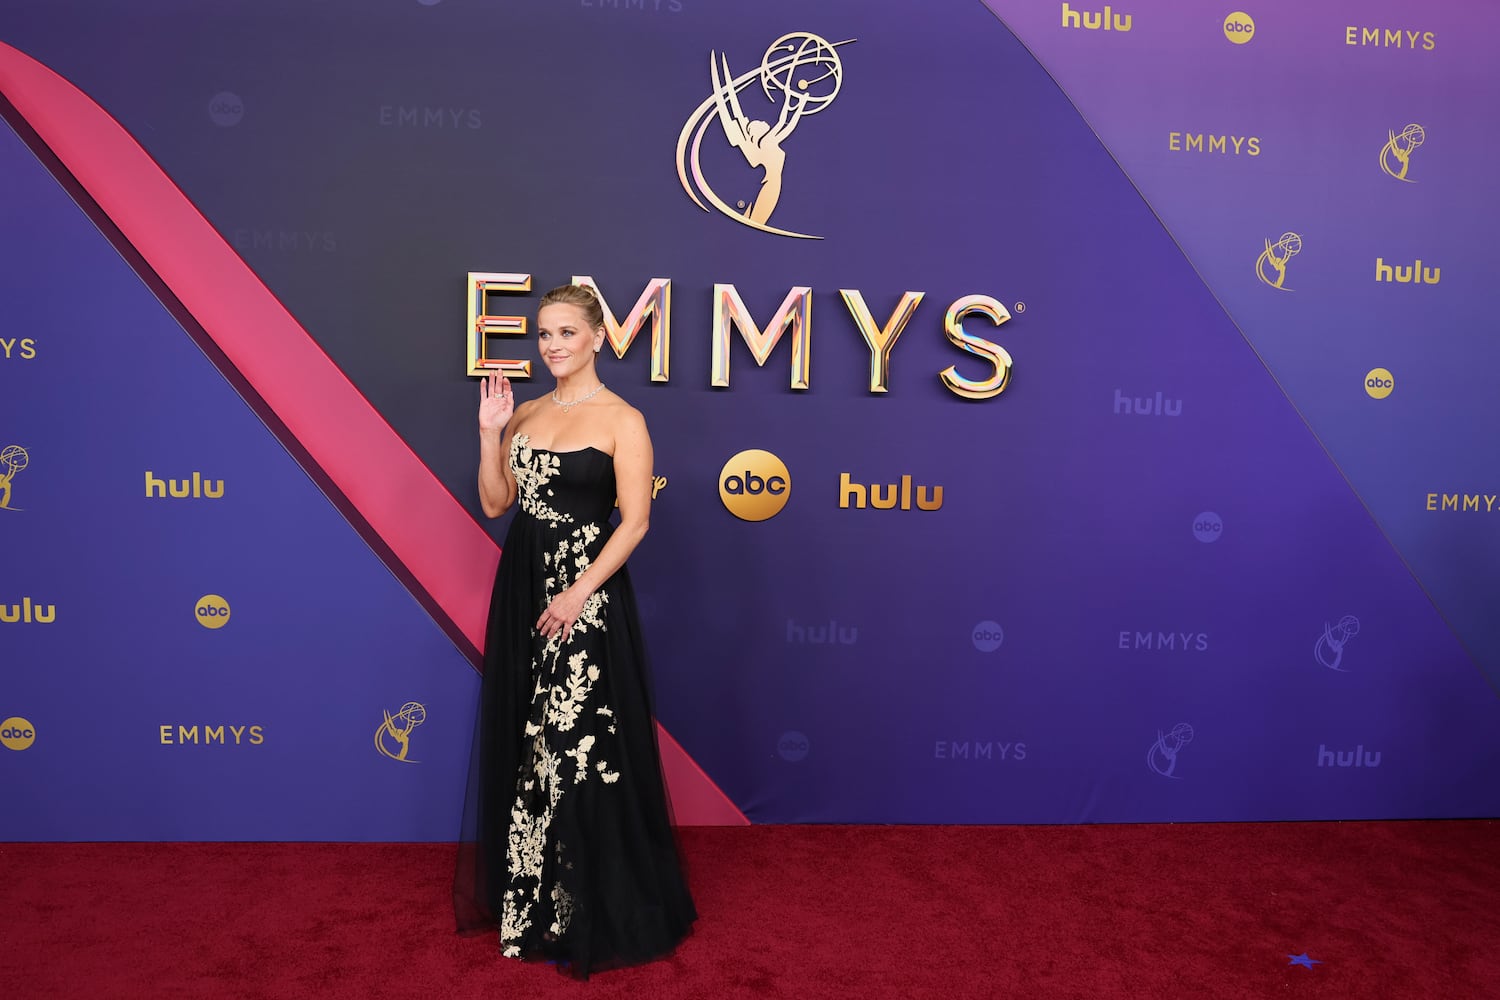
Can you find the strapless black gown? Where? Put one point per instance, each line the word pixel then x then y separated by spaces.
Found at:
pixel 568 847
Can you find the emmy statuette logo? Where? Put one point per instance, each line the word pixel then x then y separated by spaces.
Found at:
pixel 1162 757
pixel 1270 266
pixel 393 738
pixel 800 74
pixel 13 459
pixel 1395 155
pixel 1329 649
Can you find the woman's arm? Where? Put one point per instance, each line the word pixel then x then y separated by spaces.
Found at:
pixel 497 488
pixel 633 460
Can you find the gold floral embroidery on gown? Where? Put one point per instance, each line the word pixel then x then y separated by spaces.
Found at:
pixel 577 860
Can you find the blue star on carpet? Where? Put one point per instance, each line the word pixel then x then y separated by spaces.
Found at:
pixel 1304 961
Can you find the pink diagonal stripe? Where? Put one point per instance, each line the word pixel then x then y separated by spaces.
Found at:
pixel 439 544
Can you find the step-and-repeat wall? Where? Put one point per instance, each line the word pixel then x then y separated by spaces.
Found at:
pixel 1064 412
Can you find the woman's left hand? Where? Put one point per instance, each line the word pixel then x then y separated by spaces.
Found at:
pixel 562 613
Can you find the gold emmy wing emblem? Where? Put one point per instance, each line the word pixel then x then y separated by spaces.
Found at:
pixel 800 70
pixel 1274 258
pixel 1399 148
pixel 393 738
pixel 13 458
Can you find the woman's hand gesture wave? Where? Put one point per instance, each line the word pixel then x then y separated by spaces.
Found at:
pixel 496 404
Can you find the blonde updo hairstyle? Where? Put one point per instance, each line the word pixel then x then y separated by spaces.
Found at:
pixel 577 295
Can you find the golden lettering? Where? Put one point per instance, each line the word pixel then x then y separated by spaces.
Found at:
pixel 483 326
pixel 795 312
pixel 880 339
pixel 994 353
pixel 655 303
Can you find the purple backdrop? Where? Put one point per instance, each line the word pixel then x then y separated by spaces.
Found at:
pixel 1189 565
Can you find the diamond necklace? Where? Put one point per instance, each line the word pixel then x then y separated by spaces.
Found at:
pixel 568 406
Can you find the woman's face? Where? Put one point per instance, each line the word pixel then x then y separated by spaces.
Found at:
pixel 564 339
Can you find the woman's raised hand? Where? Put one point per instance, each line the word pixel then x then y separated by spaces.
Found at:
pixel 496 403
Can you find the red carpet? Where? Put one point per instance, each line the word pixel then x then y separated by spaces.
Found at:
pixel 1387 910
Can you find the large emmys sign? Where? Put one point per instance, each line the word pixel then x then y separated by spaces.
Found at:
pixel 730 314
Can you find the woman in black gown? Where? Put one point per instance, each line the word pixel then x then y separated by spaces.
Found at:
pixel 568 845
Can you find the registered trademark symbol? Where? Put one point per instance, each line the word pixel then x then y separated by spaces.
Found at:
pixel 1020 307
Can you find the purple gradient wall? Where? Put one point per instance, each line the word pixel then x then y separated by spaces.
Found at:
pixel 1196 561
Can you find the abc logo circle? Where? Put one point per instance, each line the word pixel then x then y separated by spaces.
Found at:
pixel 988 636
pixel 212 611
pixel 16 733
pixel 1239 27
pixel 792 746
pixel 1379 383
pixel 1208 527
pixel 226 109
pixel 754 485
